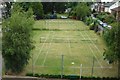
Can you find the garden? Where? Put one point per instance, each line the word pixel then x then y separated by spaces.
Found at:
pixel 50 43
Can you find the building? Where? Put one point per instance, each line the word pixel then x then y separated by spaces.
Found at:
pixel 110 7
pixel 107 6
pixel 115 10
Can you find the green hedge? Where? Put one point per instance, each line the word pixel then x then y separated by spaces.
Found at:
pixel 71 77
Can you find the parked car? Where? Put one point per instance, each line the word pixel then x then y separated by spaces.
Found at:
pixel 63 17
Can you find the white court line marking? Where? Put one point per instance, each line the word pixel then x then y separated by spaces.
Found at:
pixel 79 67
pixel 41 49
pixel 92 51
pixel 94 44
pixel 69 46
pixel 47 52
pixel 95 57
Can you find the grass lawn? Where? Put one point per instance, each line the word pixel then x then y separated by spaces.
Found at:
pixel 75 41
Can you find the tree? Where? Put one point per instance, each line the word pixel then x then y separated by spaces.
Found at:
pixel 60 7
pixel 109 19
pixel 47 7
pixel 17 42
pixel 25 5
pixel 82 10
pixel 37 8
pixel 7 10
pixel 112 39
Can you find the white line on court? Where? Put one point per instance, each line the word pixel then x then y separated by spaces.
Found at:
pixel 79 67
pixel 95 57
pixel 41 48
pixel 47 51
pixel 92 51
pixel 94 44
pixel 69 46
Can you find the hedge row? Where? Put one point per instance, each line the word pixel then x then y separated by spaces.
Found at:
pixel 45 29
pixel 73 77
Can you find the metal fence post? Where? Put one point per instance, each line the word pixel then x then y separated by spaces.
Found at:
pixel 92 67
pixel 62 66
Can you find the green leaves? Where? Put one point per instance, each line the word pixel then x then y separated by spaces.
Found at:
pixel 82 10
pixel 17 42
pixel 38 10
pixel 112 39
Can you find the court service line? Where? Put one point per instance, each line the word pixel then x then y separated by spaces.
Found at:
pixel 94 44
pixel 92 51
pixel 47 51
pixel 41 48
pixel 69 45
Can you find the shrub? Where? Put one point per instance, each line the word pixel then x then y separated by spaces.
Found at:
pixel 29 74
pixel 36 75
pixel 109 19
pixel 17 42
pixel 102 16
pixel 82 10
pixel 91 26
pixel 70 77
pixel 88 20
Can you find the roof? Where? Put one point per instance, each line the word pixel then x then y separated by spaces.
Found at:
pixel 108 4
pixel 116 9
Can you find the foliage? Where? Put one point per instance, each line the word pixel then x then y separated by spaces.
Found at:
pixel 93 23
pixel 91 26
pixel 88 20
pixel 25 5
pixel 82 10
pixel 102 16
pixel 37 8
pixel 71 77
pixel 73 12
pixel 109 19
pixel 17 42
pixel 47 7
pixel 71 4
pixel 7 13
pixel 50 7
pixel 106 17
pixel 112 39
pixel 60 7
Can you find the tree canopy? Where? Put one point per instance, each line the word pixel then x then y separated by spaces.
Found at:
pixel 112 40
pixel 82 10
pixel 37 8
pixel 17 42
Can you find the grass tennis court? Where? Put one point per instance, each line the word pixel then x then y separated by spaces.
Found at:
pixel 73 40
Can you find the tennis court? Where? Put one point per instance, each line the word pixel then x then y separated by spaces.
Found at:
pixel 62 45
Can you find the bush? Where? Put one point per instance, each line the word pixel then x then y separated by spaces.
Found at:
pixel 88 20
pixel 109 19
pixel 102 16
pixel 47 16
pixel 29 74
pixel 82 10
pixel 71 77
pixel 91 26
pixel 17 43
pixel 53 16
pixel 106 17
pixel 38 10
